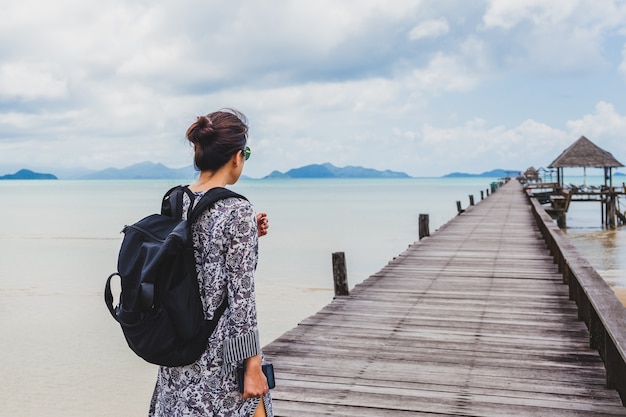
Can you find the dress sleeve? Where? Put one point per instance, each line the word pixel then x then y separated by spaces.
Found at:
pixel 242 339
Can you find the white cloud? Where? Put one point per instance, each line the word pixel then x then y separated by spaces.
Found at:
pixel 429 29
pixel 557 37
pixel 462 70
pixel 30 81
pixel 507 14
pixel 481 147
pixel 605 127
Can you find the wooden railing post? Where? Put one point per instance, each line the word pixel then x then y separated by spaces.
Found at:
pixel 458 207
pixel 424 228
pixel 482 195
pixel 340 274
pixel 471 198
pixel 615 369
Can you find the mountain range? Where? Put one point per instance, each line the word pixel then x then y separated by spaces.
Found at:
pixel 142 171
pixel 328 170
pixel 495 173
pixel 150 170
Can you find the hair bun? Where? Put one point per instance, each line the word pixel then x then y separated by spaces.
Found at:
pixel 204 123
pixel 202 130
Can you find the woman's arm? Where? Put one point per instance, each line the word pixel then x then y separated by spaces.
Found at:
pixel 242 340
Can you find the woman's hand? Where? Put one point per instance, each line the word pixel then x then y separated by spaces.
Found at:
pixel 262 223
pixel 254 380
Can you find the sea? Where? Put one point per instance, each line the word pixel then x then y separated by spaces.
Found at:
pixel 64 355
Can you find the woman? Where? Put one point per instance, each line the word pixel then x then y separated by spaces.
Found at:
pixel 226 238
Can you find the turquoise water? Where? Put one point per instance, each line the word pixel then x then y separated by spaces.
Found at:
pixel 63 355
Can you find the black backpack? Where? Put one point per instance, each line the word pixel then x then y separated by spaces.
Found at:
pixel 160 310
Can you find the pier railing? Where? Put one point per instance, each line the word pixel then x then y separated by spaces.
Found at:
pixel 598 307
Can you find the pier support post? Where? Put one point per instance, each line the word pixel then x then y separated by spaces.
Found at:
pixel 610 211
pixel 471 198
pixel 458 207
pixel 482 195
pixel 424 228
pixel 340 274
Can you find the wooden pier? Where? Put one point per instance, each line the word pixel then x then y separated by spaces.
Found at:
pixel 560 198
pixel 472 321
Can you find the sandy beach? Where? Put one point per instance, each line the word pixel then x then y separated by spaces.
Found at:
pixel 621 294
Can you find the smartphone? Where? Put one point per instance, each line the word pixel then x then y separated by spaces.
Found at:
pixel 268 370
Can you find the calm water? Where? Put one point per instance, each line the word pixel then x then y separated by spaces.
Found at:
pixel 62 353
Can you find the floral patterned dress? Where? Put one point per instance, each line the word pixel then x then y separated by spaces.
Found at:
pixel 227 237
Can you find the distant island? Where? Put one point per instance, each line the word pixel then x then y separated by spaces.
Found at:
pixel 27 174
pixel 495 173
pixel 328 170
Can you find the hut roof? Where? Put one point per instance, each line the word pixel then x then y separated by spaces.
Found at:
pixel 584 153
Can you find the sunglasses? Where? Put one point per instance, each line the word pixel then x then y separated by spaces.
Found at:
pixel 246 153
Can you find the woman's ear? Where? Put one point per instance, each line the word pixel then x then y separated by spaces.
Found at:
pixel 235 159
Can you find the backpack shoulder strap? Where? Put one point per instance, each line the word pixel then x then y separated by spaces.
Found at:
pixel 172 203
pixel 208 199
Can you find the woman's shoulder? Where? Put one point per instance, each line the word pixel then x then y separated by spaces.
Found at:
pixel 235 203
pixel 235 200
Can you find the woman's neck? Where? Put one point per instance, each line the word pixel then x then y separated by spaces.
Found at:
pixel 208 180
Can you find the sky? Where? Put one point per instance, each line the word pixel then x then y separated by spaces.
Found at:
pixel 423 87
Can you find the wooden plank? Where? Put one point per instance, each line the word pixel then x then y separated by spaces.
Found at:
pixel 471 321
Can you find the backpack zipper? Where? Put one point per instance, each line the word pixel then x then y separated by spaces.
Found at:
pixel 143 231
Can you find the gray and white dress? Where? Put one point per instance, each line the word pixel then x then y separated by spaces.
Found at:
pixel 227 237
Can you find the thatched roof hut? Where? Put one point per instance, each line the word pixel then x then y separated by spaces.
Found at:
pixel 585 154
pixel 531 174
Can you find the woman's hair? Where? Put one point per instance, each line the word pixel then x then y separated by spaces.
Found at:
pixel 216 137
